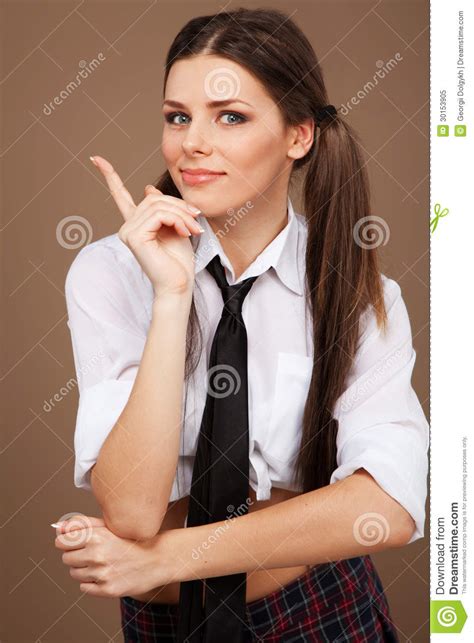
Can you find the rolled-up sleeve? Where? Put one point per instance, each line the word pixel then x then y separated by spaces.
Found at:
pixel 382 426
pixel 107 345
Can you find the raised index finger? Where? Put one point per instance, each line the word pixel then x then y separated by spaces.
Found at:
pixel 121 195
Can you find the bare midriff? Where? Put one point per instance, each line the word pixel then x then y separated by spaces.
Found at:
pixel 259 583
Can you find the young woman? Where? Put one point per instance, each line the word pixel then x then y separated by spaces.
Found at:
pixel 318 350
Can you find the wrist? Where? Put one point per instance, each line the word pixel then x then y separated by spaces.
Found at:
pixel 173 559
pixel 172 301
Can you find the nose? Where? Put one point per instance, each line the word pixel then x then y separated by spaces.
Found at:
pixel 197 139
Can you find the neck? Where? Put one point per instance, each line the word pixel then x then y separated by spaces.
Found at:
pixel 244 235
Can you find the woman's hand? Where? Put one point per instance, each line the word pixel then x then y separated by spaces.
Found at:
pixel 104 564
pixel 157 232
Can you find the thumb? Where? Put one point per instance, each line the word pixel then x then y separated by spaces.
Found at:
pixel 79 521
pixel 150 189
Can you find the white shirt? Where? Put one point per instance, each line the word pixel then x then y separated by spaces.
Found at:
pixel 382 427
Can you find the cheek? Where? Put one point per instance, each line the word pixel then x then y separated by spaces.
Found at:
pixel 257 146
pixel 170 148
pixel 258 159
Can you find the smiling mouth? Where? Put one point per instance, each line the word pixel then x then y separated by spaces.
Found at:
pixel 200 178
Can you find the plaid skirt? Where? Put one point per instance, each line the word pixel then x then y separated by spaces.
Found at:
pixel 337 602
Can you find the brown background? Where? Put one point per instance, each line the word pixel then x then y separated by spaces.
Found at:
pixel 47 176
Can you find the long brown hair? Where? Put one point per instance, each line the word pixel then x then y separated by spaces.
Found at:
pixel 342 276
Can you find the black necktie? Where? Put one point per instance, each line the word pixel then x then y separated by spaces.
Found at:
pixel 220 482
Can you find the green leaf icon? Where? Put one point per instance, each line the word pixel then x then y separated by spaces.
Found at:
pixel 447 617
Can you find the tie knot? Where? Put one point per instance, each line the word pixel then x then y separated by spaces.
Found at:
pixel 233 296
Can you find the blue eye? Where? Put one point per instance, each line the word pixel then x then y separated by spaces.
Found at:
pixel 170 118
pixel 241 117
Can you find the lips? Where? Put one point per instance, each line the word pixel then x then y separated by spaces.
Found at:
pixel 201 176
pixel 199 171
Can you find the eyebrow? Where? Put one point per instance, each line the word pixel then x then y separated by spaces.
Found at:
pixel 213 103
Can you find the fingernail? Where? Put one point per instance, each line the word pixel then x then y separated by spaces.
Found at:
pixel 92 158
pixel 194 209
pixel 57 525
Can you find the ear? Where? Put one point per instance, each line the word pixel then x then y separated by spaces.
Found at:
pixel 301 138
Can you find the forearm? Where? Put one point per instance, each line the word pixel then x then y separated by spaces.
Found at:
pixel 136 465
pixel 315 527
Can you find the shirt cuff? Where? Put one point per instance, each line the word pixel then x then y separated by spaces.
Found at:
pixel 100 407
pixel 380 450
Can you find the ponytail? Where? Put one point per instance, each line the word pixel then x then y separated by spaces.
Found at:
pixel 342 278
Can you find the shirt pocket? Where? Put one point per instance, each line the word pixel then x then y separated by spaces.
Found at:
pixel 292 380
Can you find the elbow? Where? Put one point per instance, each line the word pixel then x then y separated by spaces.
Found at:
pixel 133 522
pixel 131 529
pixel 126 519
pixel 403 528
pixel 391 519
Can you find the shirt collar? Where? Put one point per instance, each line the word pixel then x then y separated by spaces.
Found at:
pixel 281 253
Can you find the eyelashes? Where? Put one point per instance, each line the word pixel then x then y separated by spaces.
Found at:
pixel 169 118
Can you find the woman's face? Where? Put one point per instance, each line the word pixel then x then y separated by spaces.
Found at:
pixel 218 117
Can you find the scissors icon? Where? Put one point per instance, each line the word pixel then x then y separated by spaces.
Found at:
pixel 439 213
